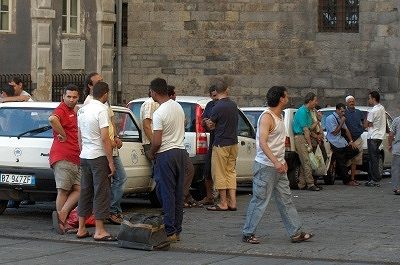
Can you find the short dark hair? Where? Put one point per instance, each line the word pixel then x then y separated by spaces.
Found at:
pixel 274 94
pixel 375 95
pixel 100 89
pixel 309 97
pixel 211 89
pixel 340 106
pixel 159 85
pixel 70 87
pixel 219 85
pixel 88 81
pixel 9 90
pixel 17 80
pixel 171 90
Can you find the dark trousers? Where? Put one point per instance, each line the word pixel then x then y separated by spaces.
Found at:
pixel 169 173
pixel 341 157
pixel 373 152
pixel 95 188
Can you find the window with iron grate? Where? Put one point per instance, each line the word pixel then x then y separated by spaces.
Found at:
pixel 338 15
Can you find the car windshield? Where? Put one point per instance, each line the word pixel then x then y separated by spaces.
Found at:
pixel 15 121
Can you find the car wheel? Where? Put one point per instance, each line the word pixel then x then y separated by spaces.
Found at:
pixel 3 206
pixel 293 176
pixel 329 178
pixel 154 201
pixel 198 190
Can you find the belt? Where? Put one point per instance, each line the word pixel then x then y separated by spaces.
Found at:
pixel 297 134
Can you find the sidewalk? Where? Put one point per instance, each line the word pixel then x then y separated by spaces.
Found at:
pixel 349 223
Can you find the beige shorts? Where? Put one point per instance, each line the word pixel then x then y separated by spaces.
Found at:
pixel 66 174
pixel 358 159
pixel 223 163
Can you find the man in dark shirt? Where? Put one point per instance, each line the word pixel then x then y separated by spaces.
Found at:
pixel 354 122
pixel 208 181
pixel 224 122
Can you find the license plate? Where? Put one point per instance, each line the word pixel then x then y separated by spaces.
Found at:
pixel 17 179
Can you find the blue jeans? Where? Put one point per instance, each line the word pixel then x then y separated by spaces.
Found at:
pixel 373 152
pixel 396 172
pixel 169 173
pixel 117 186
pixel 268 182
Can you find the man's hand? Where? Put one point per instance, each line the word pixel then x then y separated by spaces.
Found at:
pixel 342 119
pixel 150 155
pixel 353 145
pixel 280 167
pixel 61 138
pixel 112 169
pixel 209 124
pixel 118 142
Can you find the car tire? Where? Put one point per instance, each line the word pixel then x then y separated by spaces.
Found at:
pixel 294 175
pixel 329 178
pixel 154 201
pixel 3 206
pixel 198 190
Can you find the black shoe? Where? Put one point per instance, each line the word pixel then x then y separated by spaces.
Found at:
pixel 313 188
pixel 372 184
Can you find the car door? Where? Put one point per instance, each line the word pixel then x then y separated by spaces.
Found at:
pixel 246 149
pixel 137 166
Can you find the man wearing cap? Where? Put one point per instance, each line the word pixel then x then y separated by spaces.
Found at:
pixel 354 122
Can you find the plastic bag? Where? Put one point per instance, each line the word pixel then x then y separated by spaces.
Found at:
pixel 321 169
pixel 73 221
pixel 314 161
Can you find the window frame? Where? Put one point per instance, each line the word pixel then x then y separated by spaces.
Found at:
pixel 340 16
pixel 10 7
pixel 68 17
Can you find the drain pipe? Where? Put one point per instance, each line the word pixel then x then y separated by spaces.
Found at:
pixel 119 50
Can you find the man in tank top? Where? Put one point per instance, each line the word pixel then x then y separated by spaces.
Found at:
pixel 270 168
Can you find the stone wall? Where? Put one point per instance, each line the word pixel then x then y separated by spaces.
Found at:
pixel 259 44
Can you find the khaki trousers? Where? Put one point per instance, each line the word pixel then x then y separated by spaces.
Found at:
pixel 305 179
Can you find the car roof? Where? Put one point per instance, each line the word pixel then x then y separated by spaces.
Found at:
pixel 202 101
pixel 262 109
pixel 362 108
pixel 32 104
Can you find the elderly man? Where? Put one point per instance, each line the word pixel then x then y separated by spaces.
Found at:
pixel 354 122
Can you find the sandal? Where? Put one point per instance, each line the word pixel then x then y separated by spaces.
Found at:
pixel 396 192
pixel 251 239
pixel 216 208
pixel 301 237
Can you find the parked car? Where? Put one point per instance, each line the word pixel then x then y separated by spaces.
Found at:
pixel 385 159
pixel 291 156
pixel 25 141
pixel 196 138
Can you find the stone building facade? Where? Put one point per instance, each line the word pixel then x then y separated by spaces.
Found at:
pixel 261 43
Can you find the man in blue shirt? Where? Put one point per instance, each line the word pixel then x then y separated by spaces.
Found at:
pixel 341 149
pixel 354 122
pixel 302 123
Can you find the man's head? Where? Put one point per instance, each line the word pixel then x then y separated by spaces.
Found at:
pixel 340 109
pixel 213 92
pixel 374 97
pixel 17 84
pixel 351 102
pixel 7 91
pixel 277 95
pixel 159 89
pixel 100 91
pixel 71 95
pixel 91 80
pixel 220 86
pixel 311 100
pixel 171 92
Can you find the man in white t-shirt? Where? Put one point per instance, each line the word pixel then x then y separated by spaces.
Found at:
pixel 376 125
pixel 19 93
pixel 97 165
pixel 168 150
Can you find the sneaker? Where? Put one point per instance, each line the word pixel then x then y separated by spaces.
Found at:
pixel 115 219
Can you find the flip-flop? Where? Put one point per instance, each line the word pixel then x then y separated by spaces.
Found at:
pixel 216 208
pixel 85 235
pixel 301 237
pixel 233 209
pixel 58 225
pixel 106 238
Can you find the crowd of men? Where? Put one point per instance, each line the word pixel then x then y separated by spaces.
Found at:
pixel 89 173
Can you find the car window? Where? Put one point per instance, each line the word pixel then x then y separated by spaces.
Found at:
pixel 244 127
pixel 135 108
pixel 253 116
pixel 127 129
pixel 14 121
pixel 190 118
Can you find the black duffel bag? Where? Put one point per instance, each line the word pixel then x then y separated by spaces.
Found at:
pixel 143 231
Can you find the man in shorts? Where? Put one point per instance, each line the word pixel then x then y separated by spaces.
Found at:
pixel 64 156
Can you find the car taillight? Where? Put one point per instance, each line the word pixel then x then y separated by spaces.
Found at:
pixel 287 143
pixel 201 136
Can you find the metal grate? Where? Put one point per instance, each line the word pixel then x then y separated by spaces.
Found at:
pixel 338 15
pixel 26 81
pixel 59 81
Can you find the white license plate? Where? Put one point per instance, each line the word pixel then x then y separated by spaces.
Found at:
pixel 17 179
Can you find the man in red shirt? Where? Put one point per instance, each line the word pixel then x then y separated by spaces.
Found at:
pixel 64 156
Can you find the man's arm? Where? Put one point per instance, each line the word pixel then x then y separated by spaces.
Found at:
pixel 15 98
pixel 56 125
pixel 266 124
pixel 155 143
pixel 147 129
pixel 105 137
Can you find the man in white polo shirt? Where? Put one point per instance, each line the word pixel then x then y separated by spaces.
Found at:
pixel 97 165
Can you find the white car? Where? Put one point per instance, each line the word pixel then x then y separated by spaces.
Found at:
pixel 196 139
pixel 25 141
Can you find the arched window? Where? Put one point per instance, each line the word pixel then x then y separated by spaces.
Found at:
pixel 338 15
